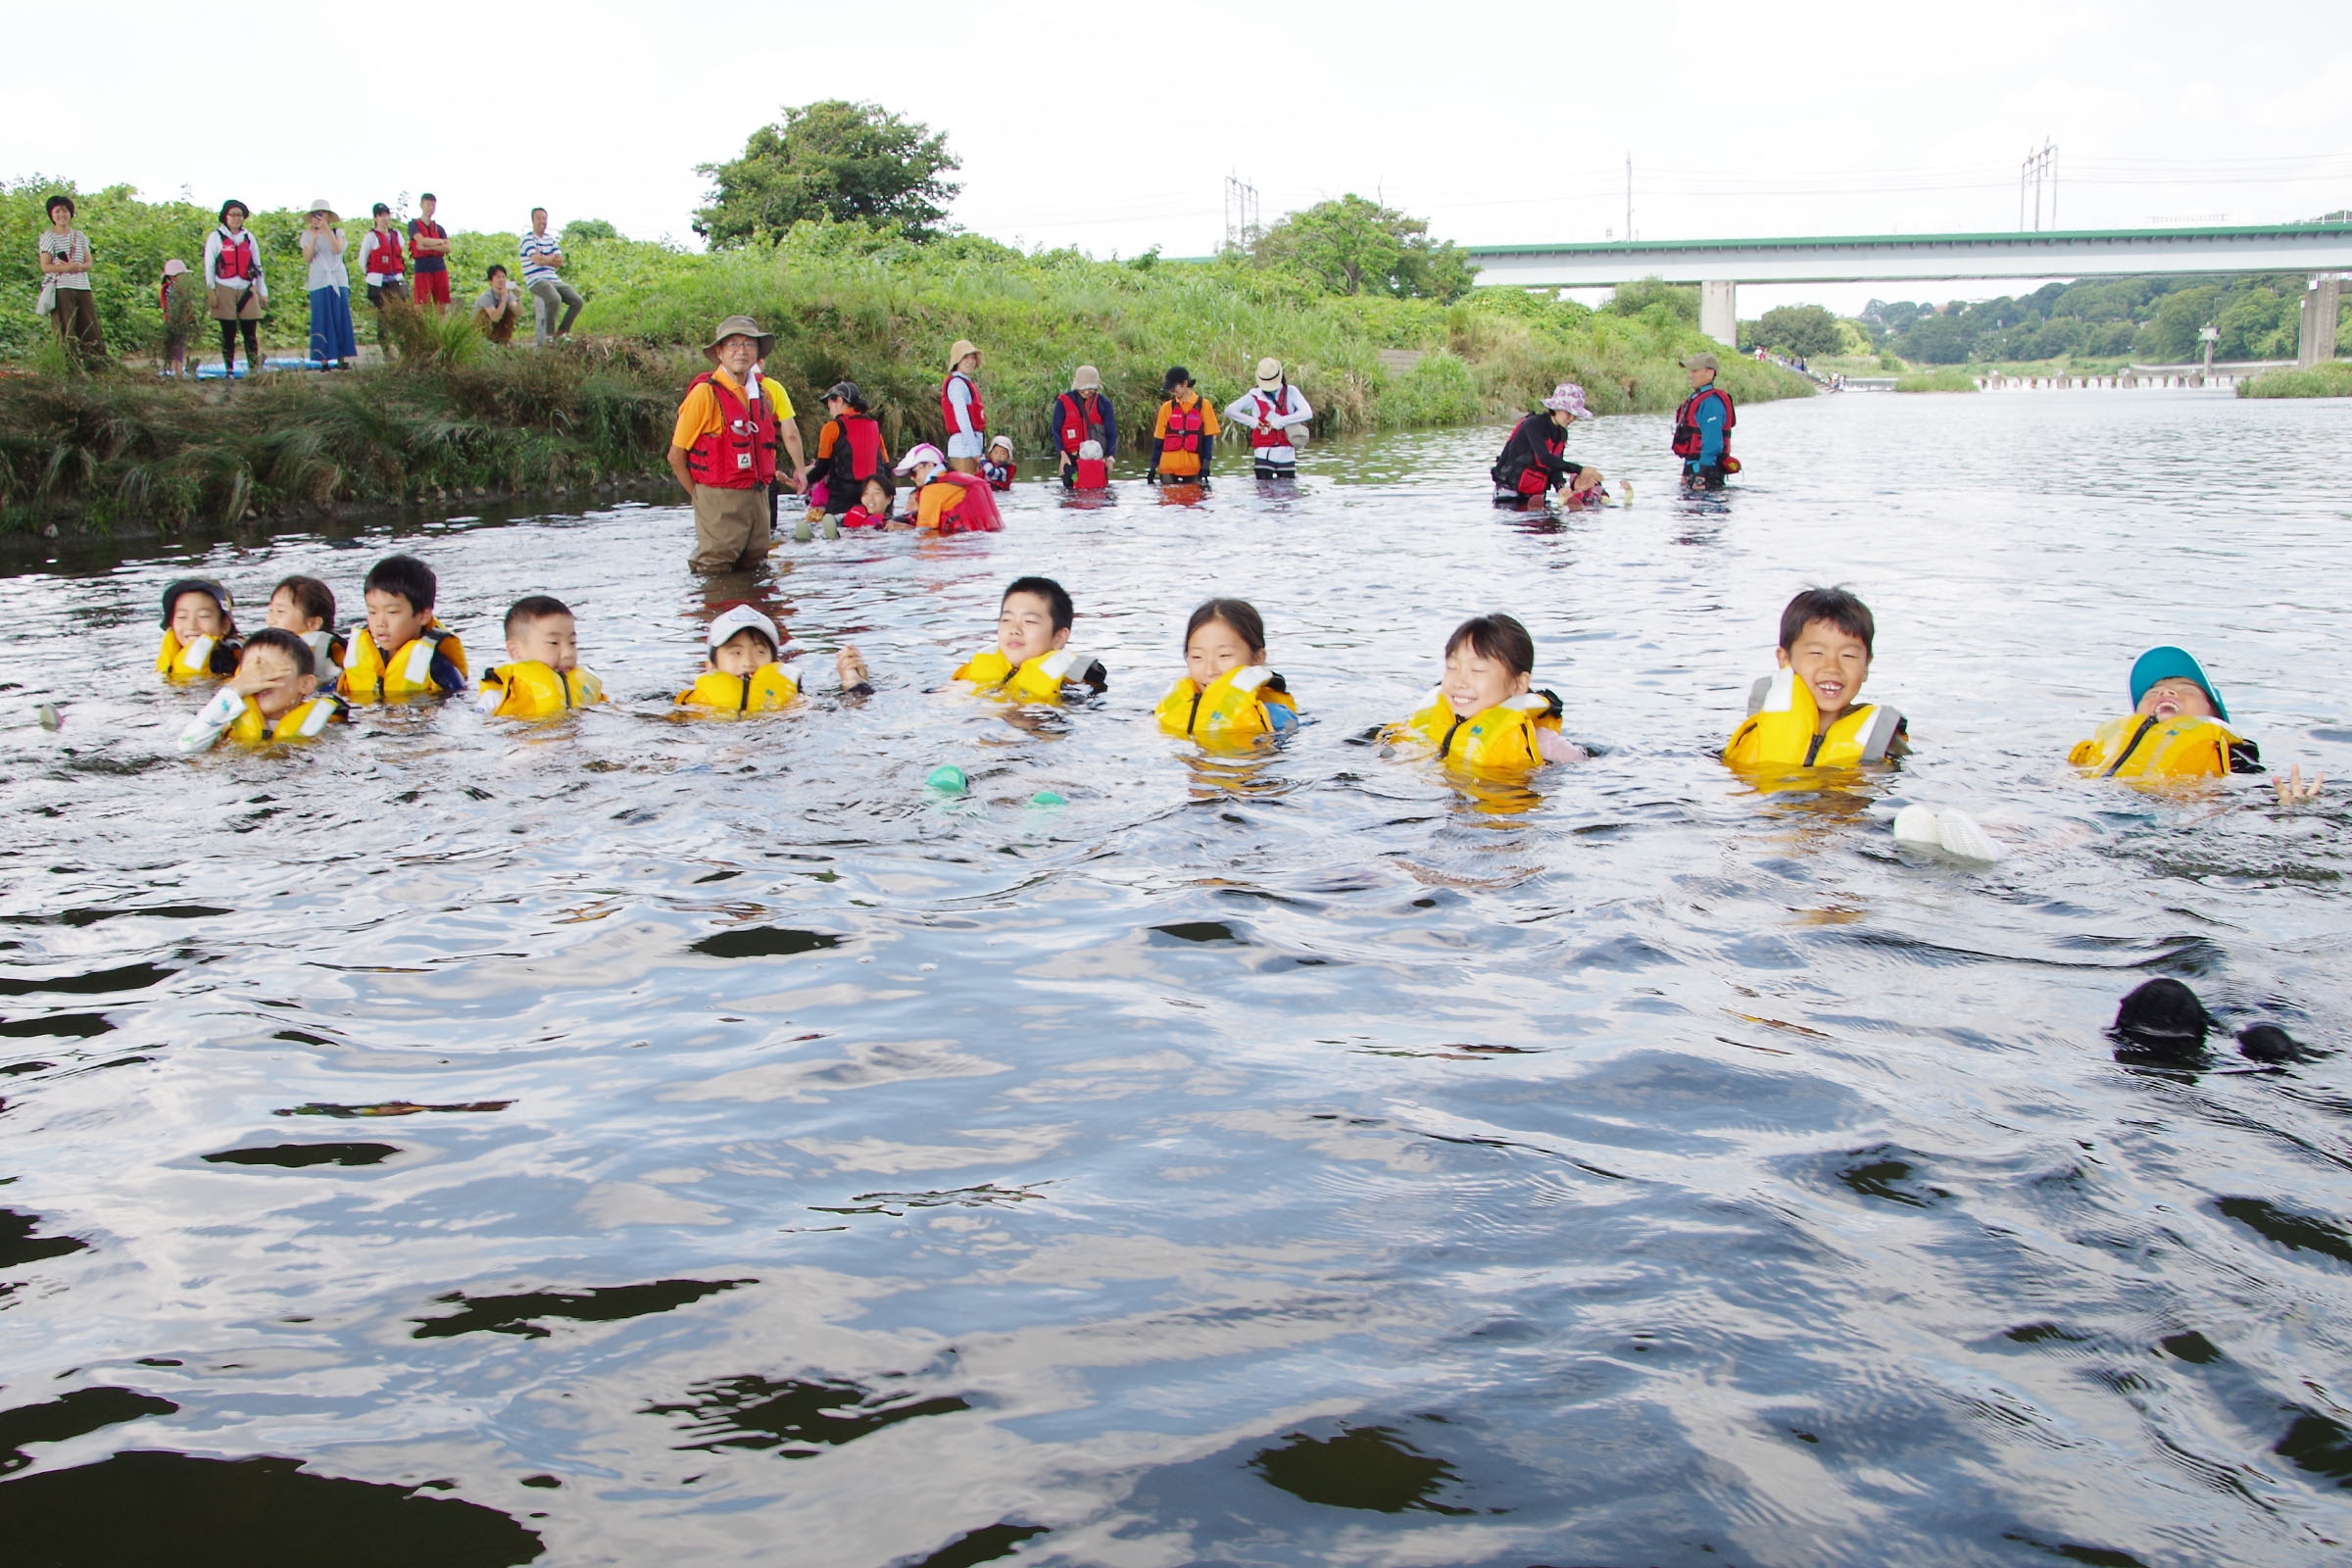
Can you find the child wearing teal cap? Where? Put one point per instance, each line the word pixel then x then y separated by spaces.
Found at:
pixel 2179 728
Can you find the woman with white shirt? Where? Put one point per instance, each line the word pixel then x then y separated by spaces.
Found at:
pixel 1276 416
pixel 65 253
pixel 235 286
pixel 334 342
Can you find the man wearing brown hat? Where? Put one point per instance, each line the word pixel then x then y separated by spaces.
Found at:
pixel 723 449
pixel 1702 427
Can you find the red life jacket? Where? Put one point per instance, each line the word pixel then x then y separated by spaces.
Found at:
pixel 978 513
pixel 384 256
pixel 426 228
pixel 1184 428
pixel 741 454
pixel 946 408
pixel 1550 444
pixel 1000 475
pixel 1687 439
pixel 1090 474
pixel 237 258
pixel 1077 420
pixel 1262 434
pixel 857 455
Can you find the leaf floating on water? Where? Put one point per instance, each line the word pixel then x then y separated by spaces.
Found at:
pixel 1373 1468
pixel 301 1156
pixel 798 1419
pixel 389 1108
pixel 988 1194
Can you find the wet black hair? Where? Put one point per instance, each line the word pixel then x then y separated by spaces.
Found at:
pixel 1239 613
pixel 1497 637
pixel 238 204
pixel 405 577
pixel 285 642
pixel 1177 376
pixel 496 268
pixel 890 491
pixel 61 199
pixel 1056 598
pixel 532 608
pixel 310 596
pixel 1836 605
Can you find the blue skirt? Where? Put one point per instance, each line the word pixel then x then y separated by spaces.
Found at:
pixel 331 334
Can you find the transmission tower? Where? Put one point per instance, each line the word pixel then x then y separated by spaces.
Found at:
pixel 2038 171
pixel 1241 213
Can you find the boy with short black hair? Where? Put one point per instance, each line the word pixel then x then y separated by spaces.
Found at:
pixel 305 607
pixel 424 659
pixel 274 695
pixel 542 677
pixel 1807 715
pixel 1032 660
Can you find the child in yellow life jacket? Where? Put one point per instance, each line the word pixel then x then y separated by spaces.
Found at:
pixel 200 631
pixel 542 677
pixel 274 695
pixel 741 674
pixel 402 651
pixel 305 607
pixel 1227 693
pixel 2179 727
pixel 1484 717
pixel 1807 715
pixel 1033 661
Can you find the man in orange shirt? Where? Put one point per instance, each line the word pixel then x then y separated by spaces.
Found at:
pixel 723 448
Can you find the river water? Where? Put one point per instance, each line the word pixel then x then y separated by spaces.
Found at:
pixel 634 1141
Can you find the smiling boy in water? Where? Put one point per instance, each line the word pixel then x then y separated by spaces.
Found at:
pixel 403 651
pixel 1033 661
pixel 1810 715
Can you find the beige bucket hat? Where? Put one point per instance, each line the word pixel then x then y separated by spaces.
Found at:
pixel 740 327
pixel 321 205
pixel 1086 379
pixel 1269 371
pixel 963 346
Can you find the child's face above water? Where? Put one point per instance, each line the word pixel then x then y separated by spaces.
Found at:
pixel 285 614
pixel 1475 682
pixel 2177 698
pixel 271 677
pixel 1216 649
pixel 392 621
pixel 1832 665
pixel 876 499
pixel 195 615
pixel 1025 628
pixel 550 639
pixel 742 653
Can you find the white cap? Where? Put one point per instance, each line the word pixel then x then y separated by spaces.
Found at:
pixel 738 617
pixel 925 453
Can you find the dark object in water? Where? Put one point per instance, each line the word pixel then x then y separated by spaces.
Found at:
pixel 2268 1043
pixel 2164 1016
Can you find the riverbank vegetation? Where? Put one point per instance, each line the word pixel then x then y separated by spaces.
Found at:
pixel 2312 381
pixel 1937 381
pixel 2153 320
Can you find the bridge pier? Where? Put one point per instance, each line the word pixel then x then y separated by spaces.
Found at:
pixel 1719 312
pixel 2316 343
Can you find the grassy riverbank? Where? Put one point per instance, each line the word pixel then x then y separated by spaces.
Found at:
pixel 2331 380
pixel 452 416
pixel 1937 381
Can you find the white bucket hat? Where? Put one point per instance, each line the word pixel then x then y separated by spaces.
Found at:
pixel 922 454
pixel 319 206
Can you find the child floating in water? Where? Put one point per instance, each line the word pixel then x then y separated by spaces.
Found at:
pixel 741 674
pixel 1807 715
pixel 543 678
pixel 1032 661
pixel 1483 716
pixel 1089 470
pixel 423 659
pixel 946 502
pixel 305 607
pixel 274 695
pixel 872 510
pixel 1227 692
pixel 200 631
pixel 999 467
pixel 2179 727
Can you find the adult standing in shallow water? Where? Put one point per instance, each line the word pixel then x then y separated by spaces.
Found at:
pixel 236 286
pixel 723 450
pixel 333 340
pixel 1702 427
pixel 961 409
pixel 1082 415
pixel 1184 435
pixel 1534 460
pixel 1276 415
pixel 66 294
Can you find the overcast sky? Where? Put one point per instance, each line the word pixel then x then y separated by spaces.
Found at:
pixel 1112 128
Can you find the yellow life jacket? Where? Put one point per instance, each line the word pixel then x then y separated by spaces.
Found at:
pixel 1037 680
pixel 764 690
pixel 534 690
pixel 178 660
pixel 369 677
pixel 1499 739
pixel 1234 705
pixel 2182 747
pixel 305 720
pixel 1779 732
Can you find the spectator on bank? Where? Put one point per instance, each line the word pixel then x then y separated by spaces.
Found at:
pixel 385 266
pixel 542 256
pixel 428 255
pixel 177 297
pixel 333 341
pixel 66 296
pixel 497 307
pixel 236 287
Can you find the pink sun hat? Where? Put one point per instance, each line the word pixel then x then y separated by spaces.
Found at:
pixel 1568 398
pixel 925 453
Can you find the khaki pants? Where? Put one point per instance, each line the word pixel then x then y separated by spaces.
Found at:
pixel 731 529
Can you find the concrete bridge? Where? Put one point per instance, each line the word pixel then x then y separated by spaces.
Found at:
pixel 1719 265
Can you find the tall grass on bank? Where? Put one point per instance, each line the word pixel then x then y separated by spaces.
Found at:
pixel 1938 382
pixel 2330 380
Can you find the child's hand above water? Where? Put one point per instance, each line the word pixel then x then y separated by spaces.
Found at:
pixel 851 666
pixel 2293 791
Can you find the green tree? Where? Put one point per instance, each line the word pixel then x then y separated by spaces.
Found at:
pixel 2173 336
pixel 1355 246
pixel 1680 299
pixel 1805 330
pixel 835 160
pixel 587 228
